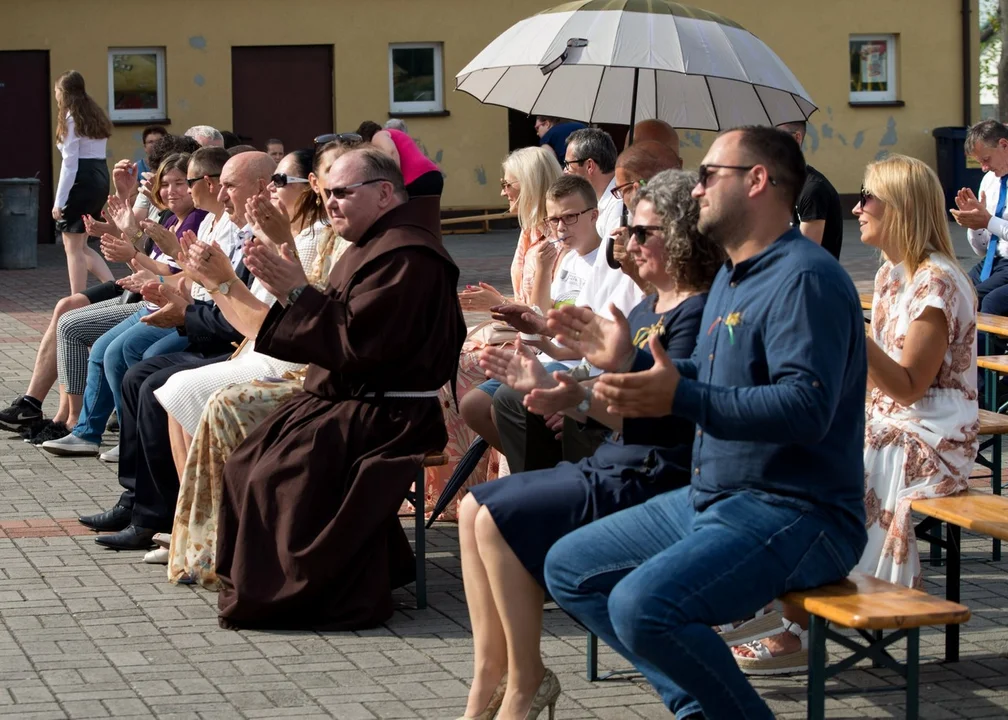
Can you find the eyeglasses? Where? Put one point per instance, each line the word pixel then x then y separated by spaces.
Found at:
pixel 865 197
pixel 640 232
pixel 617 192
pixel 341 192
pixel 704 171
pixel 568 219
pixel 568 163
pixel 505 185
pixel 342 138
pixel 192 181
pixel 283 179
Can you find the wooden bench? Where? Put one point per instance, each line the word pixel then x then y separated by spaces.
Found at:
pixel 869 606
pixel 485 218
pixel 417 497
pixel 977 512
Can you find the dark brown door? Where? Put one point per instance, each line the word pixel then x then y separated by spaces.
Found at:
pixel 26 133
pixel 283 92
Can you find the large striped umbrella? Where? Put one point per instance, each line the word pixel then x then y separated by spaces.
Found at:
pixel 622 61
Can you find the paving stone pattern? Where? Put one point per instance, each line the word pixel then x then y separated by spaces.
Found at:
pixel 89 633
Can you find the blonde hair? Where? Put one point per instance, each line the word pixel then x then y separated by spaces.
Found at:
pixel 914 220
pixel 535 169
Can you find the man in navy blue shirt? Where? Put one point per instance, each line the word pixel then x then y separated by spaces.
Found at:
pixel 776 390
pixel 553 133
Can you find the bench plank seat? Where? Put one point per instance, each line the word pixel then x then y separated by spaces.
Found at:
pixel 974 511
pixel 992 423
pixel 865 602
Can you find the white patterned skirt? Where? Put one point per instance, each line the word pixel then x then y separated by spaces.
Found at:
pixel 186 393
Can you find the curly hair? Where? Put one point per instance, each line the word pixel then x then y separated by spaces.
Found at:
pixel 691 258
pixel 88 116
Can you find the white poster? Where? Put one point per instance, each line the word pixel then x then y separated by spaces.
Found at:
pixel 873 63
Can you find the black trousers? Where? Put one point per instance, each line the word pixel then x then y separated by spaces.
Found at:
pixel 530 445
pixel 146 467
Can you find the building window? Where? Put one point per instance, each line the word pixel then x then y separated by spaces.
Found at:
pixel 136 84
pixel 416 84
pixel 872 68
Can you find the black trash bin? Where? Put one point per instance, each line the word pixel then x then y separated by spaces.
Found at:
pixel 19 208
pixel 952 170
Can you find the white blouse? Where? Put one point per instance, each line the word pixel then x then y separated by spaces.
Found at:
pixel 74 148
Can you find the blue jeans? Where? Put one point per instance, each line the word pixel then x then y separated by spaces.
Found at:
pixel 113 353
pixel 652 580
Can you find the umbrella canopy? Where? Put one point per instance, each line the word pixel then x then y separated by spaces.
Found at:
pixel 589 60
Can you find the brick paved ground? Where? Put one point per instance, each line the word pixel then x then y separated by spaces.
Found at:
pixel 91 633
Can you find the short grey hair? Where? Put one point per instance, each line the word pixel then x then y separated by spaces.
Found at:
pixel 206 136
pixel 986 132
pixel 396 124
pixel 691 257
pixel 377 165
pixel 595 144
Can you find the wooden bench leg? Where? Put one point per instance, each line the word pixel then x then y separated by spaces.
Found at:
pixel 996 488
pixel 913 671
pixel 817 668
pixel 419 497
pixel 591 656
pixel 952 585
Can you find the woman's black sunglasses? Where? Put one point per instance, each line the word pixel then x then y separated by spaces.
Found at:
pixel 283 180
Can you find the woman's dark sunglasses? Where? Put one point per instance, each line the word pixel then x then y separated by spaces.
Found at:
pixel 192 181
pixel 341 138
pixel 283 180
pixel 865 197
pixel 640 232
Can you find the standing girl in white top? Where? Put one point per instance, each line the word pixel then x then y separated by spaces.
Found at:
pixel 81 133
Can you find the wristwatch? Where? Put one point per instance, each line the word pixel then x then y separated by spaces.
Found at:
pixel 137 235
pixel 294 294
pixel 222 288
pixel 585 405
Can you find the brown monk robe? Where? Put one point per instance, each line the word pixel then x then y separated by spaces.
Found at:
pixel 308 533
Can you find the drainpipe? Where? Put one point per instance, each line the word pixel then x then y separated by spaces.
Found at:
pixel 967 61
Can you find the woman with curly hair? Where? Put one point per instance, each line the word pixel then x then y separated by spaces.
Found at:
pixel 507 526
pixel 82 130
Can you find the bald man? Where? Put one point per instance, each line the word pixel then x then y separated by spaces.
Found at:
pixel 657 130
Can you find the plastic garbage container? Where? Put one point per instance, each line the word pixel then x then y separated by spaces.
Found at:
pixel 954 171
pixel 19 200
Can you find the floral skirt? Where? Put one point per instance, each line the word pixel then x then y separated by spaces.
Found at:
pixel 230 415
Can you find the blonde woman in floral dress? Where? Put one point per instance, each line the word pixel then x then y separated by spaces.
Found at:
pixel 527 175
pixel 921 422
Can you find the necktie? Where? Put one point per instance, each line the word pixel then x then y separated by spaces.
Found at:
pixel 992 245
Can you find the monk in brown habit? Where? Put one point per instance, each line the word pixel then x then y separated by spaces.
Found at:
pixel 308 532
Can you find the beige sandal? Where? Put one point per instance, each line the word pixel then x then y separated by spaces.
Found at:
pixel 765 663
pixel 763 623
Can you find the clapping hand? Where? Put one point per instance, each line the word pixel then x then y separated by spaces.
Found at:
pixel 566 394
pixel 172 303
pixel 519 369
pixel 604 343
pixel 972 213
pixel 648 393
pixel 279 272
pixel 480 298
pixel 521 317
pixel 95 228
pixel 122 215
pixel 136 281
pixel 206 262
pixel 164 238
pixel 115 249
pixel 268 220
pixel 146 180
pixel 124 177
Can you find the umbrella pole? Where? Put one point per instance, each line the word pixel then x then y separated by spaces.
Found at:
pixel 610 258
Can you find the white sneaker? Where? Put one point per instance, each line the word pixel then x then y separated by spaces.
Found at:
pixel 71 445
pixel 110 456
pixel 158 556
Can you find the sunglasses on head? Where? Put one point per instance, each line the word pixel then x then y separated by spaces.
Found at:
pixel 347 138
pixel 193 181
pixel 283 179
pixel 341 192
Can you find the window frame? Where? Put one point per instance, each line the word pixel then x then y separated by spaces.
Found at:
pixel 868 97
pixel 159 113
pixel 420 107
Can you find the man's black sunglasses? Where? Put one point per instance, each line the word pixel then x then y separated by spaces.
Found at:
pixel 192 181
pixel 341 192
pixel 705 171
pixel 347 138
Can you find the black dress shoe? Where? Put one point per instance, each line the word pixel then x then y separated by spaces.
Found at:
pixel 114 520
pixel 132 538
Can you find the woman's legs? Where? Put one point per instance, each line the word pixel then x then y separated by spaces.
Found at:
pixel 476 408
pixel 490 656
pixel 519 602
pixel 81 260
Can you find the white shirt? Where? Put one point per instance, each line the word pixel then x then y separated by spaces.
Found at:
pixel 571 275
pixel 225 234
pixel 605 286
pixel 74 148
pixel 610 213
pixel 979 239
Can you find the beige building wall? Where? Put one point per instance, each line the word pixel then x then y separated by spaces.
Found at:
pixel 812 38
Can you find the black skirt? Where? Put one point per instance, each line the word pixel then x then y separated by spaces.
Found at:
pixel 533 510
pixel 87 196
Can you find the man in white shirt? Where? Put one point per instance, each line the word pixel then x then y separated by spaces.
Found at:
pixel 984 217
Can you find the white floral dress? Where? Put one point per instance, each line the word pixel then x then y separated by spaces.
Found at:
pixel 926 449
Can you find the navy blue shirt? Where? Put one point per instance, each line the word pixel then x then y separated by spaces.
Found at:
pixel 556 137
pixel 776 385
